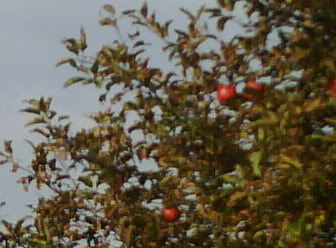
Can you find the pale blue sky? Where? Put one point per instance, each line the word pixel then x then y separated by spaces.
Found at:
pixel 31 34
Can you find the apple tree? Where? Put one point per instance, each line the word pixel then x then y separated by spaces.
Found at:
pixel 241 133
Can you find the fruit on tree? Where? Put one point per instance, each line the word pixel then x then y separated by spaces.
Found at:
pixel 225 93
pixel 171 214
pixel 253 85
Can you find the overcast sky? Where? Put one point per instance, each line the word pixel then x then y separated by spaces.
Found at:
pixel 31 34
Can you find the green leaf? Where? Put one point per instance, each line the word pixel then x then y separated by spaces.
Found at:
pixel 19 224
pixel 95 66
pixel 40 131
pixel 188 13
pixel 8 146
pixel 323 138
pixel 31 110
pixel 290 161
pixel 44 104
pixel 260 235
pixel 255 159
pixel 296 228
pixel 3 162
pixel 7 225
pixel 52 114
pixel 128 12
pixel 70 61
pixel 71 45
pixel 331 121
pixel 31 144
pixel 72 81
pixel 98 84
pixel 35 121
pixel 82 40
pixel 34 102
pixel 261 134
pixel 63 117
pixel 86 180
pixel 268 121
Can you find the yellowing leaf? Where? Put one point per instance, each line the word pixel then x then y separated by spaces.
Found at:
pixel 96 132
pixel 255 159
pixel 107 21
pixel 261 134
pixel 82 40
pixel 329 62
pixel 331 121
pixel 163 163
pixel 70 61
pixel 235 197
pixel 290 161
pixel 86 180
pixel 299 53
pixel 109 8
pixel 312 105
pixel 72 81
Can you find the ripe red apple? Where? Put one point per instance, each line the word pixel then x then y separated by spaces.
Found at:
pixel 333 88
pixel 253 85
pixel 251 88
pixel 171 214
pixel 225 93
pixel 248 96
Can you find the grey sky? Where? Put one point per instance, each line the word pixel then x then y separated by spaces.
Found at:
pixel 30 37
pixel 31 32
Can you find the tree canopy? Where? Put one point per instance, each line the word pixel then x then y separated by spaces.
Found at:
pixel 255 167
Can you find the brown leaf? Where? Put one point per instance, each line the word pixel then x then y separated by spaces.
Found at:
pixel 235 197
pixel 144 10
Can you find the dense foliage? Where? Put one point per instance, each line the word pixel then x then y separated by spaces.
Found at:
pixel 257 169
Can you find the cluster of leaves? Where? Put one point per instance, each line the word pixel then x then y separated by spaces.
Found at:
pixel 250 173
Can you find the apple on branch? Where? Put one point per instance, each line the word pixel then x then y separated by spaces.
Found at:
pixel 225 93
pixel 252 88
pixel 171 214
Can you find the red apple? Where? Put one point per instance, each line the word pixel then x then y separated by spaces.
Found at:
pixel 171 214
pixel 251 88
pixel 225 93
pixel 333 88
pixel 248 96
pixel 252 85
